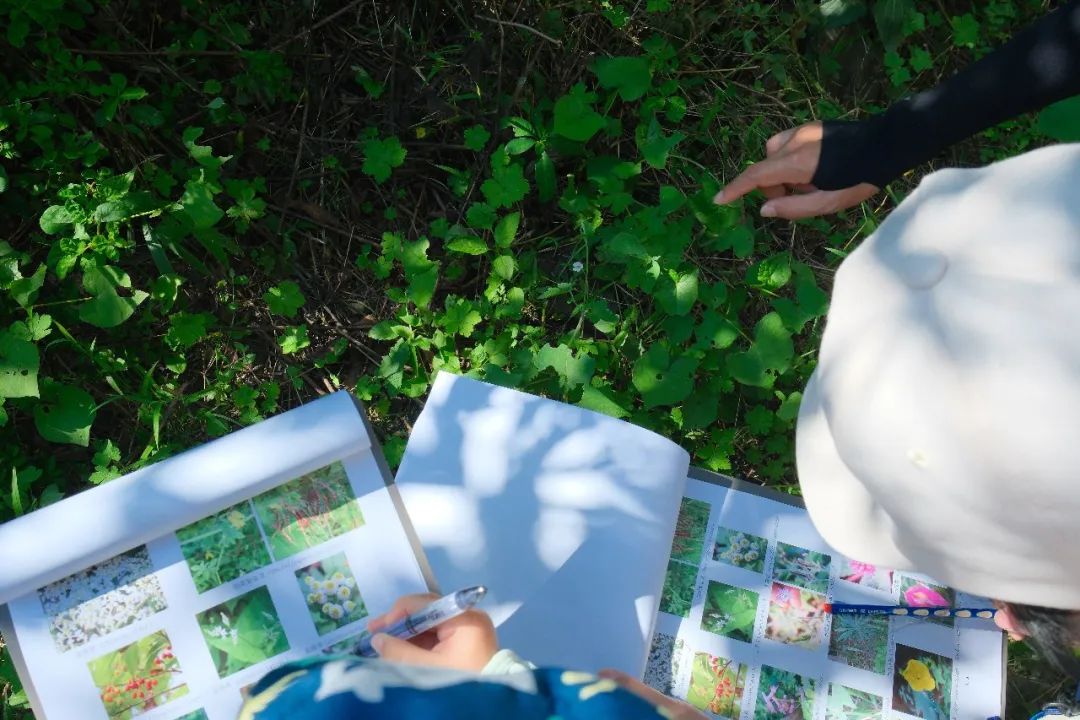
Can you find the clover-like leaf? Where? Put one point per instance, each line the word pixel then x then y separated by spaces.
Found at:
pixel 294 339
pixel 285 299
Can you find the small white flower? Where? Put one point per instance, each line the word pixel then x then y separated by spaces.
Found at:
pixel 577 267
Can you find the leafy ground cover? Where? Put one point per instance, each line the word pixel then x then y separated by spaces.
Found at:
pixel 211 212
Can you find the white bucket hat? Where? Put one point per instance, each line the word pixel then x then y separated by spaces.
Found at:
pixel 940 431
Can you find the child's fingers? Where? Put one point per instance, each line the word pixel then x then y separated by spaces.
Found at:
pixel 677 710
pixel 397 650
pixel 402 608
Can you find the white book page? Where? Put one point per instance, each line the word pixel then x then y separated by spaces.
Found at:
pixel 742 632
pixel 178 628
pixel 564 514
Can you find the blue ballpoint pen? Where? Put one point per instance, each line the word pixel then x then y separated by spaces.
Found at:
pixel 441 610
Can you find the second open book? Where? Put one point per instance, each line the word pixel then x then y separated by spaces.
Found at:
pixel 599 544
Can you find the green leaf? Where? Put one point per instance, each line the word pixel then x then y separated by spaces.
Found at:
pixel 662 380
pixel 24 290
pixel 921 60
pixel 770 354
pixel 186 329
pixel 3 179
pixel 506 186
pixel 759 421
pixel 789 408
pixel 575 118
pixel 504 266
pixel 601 400
pixel 1061 121
pixel 467 245
pixel 481 216
pixel 129 206
pixel 107 308
pixel 965 30
pixel 294 339
pixel 506 230
pixel 202 154
pixel 19 364
pixel 39 326
pixel 891 16
pixel 519 145
pixel 55 219
pixel 655 145
pixel 629 75
pixel 772 273
pixel 679 293
pixel 198 203
pixel 545 177
pixel 382 156
pixel 476 138
pixel 573 370
pixel 716 330
pixel 285 298
pixel 65 414
pixel 460 318
pixel 106 454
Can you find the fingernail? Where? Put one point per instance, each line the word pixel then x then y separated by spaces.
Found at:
pixel 378 641
pixel 719 197
pixel 768 211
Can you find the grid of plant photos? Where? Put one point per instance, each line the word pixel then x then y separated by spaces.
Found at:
pixel 743 629
pixel 118 620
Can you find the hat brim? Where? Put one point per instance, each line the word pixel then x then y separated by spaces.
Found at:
pixel 842 510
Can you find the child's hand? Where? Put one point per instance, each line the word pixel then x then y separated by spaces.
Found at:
pixel 675 709
pixel 467 642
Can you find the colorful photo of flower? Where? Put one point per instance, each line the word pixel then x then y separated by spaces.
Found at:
pixel 223 547
pixel 866 575
pixel 308 511
pixel 796 616
pixel 243 631
pixel 102 599
pixel 662 667
pixel 730 611
pixel 801 567
pixel 333 599
pixel 716 685
pixel 678 594
pixel 138 677
pixel 849 704
pixel 919 593
pixel 690 531
pixel 861 641
pixel 783 695
pixel 922 683
pixel 740 549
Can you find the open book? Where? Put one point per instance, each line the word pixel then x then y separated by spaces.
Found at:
pixel 166 593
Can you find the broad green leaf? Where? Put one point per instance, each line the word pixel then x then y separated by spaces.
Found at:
pixel 573 370
pixel 202 154
pixel 506 186
pixel 575 118
pixel 24 290
pixel 504 266
pixel 679 293
pixel 55 219
pixel 891 16
pixel 381 157
pixel 700 410
pixel 476 137
pixel 661 379
pixel 198 203
pixel 716 330
pixel 601 400
pixel 629 75
pixel 285 299
pixel 129 206
pixel 294 339
pixel 545 177
pixel 481 216
pixel 1061 121
pixel 770 354
pixel 460 318
pixel 506 230
pixel 186 329
pixel 655 145
pixel 19 364
pixel 65 414
pixel 789 408
pixel 519 145
pixel 467 245
pixel 107 308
